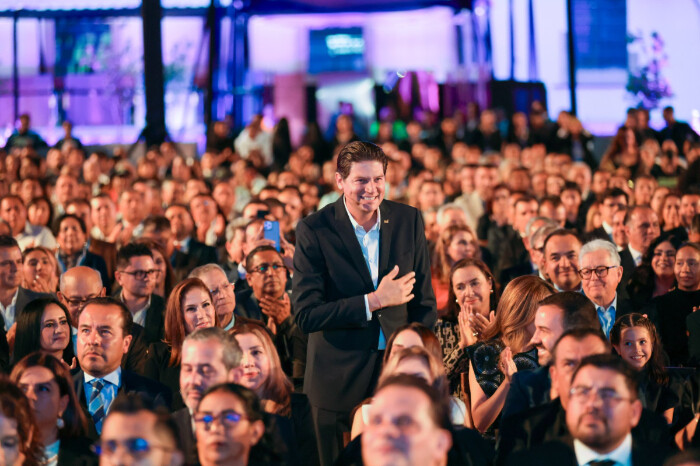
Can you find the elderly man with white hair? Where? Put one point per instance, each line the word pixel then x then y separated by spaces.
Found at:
pixel 601 273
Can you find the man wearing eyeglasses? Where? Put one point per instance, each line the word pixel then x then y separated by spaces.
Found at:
pixel 136 433
pixel 602 411
pixel 136 274
pixel 601 272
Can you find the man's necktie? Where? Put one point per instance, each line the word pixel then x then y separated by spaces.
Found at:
pixel 96 407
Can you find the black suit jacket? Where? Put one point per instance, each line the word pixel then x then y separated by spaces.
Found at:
pixel 547 422
pixel 76 452
pixel 154 328
pixel 130 383
pixel 197 254
pixel 628 266
pixel 188 443
pixel 25 296
pixel 561 452
pixel 330 281
pixel 527 390
pixel 516 271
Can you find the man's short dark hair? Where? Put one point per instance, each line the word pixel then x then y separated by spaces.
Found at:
pixel 130 250
pixel 577 310
pixel 571 186
pixel 127 319
pixel 439 407
pixel 525 197
pixel 579 334
pixel 634 209
pixel 256 251
pixel 78 201
pixel 134 403
pixel 12 196
pixel 7 241
pixel 156 223
pixel 614 192
pixel 613 363
pixel 560 232
pixel 359 151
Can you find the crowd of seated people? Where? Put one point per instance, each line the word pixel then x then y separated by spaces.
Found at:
pixel 146 317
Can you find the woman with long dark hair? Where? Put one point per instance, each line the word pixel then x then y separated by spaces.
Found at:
pixel 44 325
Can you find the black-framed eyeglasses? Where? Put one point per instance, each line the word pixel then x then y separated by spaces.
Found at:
pixel 601 271
pixel 215 292
pixel 263 268
pixel 228 418
pixel 141 274
pixel 136 446
pixel 581 392
pixel 78 302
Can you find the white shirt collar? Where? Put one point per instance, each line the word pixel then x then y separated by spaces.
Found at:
pixel 139 316
pixel 612 304
pixel 8 312
pixel 636 255
pixel 355 224
pixel 622 455
pixel 608 228
pixel 113 377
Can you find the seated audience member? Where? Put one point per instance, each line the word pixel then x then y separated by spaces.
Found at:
pixel 635 339
pixel 514 250
pixel 601 273
pixel 241 436
pixel 613 199
pixel 21 444
pixel 44 325
pixel 222 292
pixel 619 233
pixel 136 275
pixel 103 338
pixel 593 218
pixel 418 361
pixel 537 229
pixel 210 356
pixel 137 432
pixel 13 297
pixel 106 250
pixel 409 335
pixel 555 315
pixel 165 277
pixel 670 220
pixel 61 424
pixel 455 243
pixel 71 235
pixel 493 361
pixel 673 309
pixel 235 237
pixel 189 308
pixel 209 224
pixel 694 229
pixel 103 215
pixel 689 207
pixel 602 412
pixel 40 271
pixel 654 276
pixel 561 256
pixel 267 301
pixel 642 227
pixel 262 373
pixel 40 212
pixel 435 442
pixel 78 286
pixel 472 296
pixel 188 253
pixel 571 198
pixel 14 213
pixel 132 210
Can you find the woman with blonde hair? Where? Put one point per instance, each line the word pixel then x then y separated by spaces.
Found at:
pixel 262 373
pixel 504 349
pixel 455 242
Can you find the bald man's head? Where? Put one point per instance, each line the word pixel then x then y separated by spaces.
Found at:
pixel 77 286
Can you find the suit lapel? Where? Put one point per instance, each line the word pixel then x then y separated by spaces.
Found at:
pixel 347 235
pixel 385 236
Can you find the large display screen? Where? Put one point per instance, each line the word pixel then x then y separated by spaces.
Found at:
pixel 336 49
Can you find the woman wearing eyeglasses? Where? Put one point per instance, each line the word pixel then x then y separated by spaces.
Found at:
pixel 60 421
pixel 231 430
pixel 189 307
pixel 44 325
pixel 262 373
pixel 71 236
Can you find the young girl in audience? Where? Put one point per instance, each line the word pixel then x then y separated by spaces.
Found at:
pixel 418 361
pixel 635 339
pixel 44 325
pixel 262 373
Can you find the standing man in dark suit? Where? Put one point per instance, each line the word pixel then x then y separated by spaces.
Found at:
pixel 601 273
pixel 361 270
pixel 104 325
pixel 211 351
pixel 136 274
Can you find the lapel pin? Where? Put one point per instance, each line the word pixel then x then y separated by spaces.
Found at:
pixel 386 221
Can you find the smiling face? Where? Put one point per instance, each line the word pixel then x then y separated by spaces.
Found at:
pixel 37 264
pixel 663 260
pixel 687 268
pixel 461 246
pixel 549 326
pixel 561 261
pixel 197 309
pixel 600 290
pixel 55 331
pixel 255 363
pixel 363 188
pixel 472 288
pixel 636 346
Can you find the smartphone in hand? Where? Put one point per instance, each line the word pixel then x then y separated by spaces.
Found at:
pixel 271 230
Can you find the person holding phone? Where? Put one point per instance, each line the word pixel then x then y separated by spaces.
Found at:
pixel 361 270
